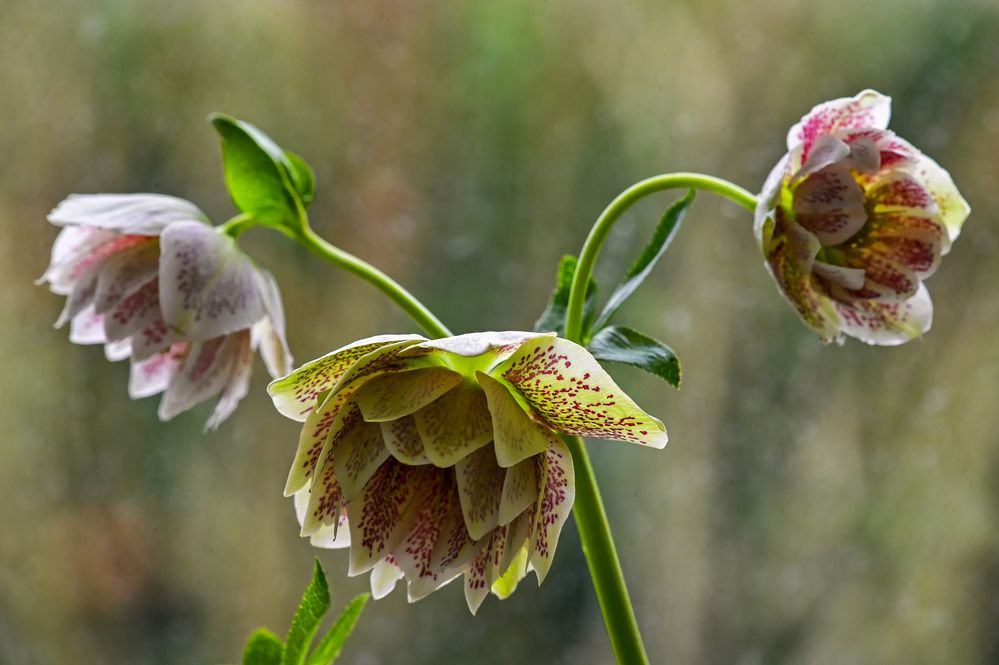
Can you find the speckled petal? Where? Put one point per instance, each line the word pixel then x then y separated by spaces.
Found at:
pixel 331 536
pixel 152 375
pixel 446 438
pixel 203 374
pixel 515 433
pixel 327 498
pixel 399 394
pixel 207 286
pixel 868 110
pixel 87 327
pixel 889 323
pixel 141 214
pixel 520 490
pixel 71 247
pixel 403 441
pixel 954 209
pixel 327 420
pixel 830 204
pixel 382 515
pixel 571 393
pixel 126 272
pixel 357 456
pixel 554 505
pixel 480 487
pixel 139 318
pixel 295 395
pixel 238 383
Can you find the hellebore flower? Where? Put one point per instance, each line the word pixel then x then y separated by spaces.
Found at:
pixel 853 219
pixel 433 459
pixel 145 275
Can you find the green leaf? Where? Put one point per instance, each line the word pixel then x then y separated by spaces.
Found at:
pixel 331 645
pixel 624 345
pixel 263 648
pixel 661 239
pixel 263 180
pixel 315 602
pixel 553 318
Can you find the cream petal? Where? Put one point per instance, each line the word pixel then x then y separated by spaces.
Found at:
pixel 152 375
pixel 454 548
pixel 571 393
pixel 477 574
pixel 80 298
pixel 139 318
pixel 889 323
pixel 326 502
pixel 848 278
pixel 553 506
pixel 238 383
pixel 357 456
pixel 384 575
pixel 328 420
pixel 141 214
pixel 116 351
pixel 480 488
pixel 827 150
pixel 204 373
pixel 403 441
pixel 295 394
pixel 868 110
pixel 520 490
pixel 399 394
pixel 331 537
pixel 207 286
pixel 71 247
pixel 125 273
pixel 830 205
pixel 515 433
pixel 271 329
pixel 87 327
pixel 473 345
pixel 446 438
pixel 767 200
pixel 382 515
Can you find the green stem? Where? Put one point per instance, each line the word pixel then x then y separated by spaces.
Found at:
pixel 626 199
pixel 601 559
pixel 395 291
pixel 588 510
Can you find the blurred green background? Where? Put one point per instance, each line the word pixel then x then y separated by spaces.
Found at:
pixel 815 505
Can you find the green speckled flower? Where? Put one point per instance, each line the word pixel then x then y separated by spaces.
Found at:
pixel 433 459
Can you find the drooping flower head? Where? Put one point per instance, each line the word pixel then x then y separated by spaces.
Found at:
pixel 853 219
pixel 145 275
pixel 433 459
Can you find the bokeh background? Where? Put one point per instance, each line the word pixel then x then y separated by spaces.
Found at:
pixel 816 504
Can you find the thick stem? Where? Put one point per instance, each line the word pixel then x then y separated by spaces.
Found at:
pixel 588 510
pixel 601 559
pixel 626 199
pixel 395 291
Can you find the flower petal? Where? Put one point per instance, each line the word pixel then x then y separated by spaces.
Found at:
pixel 520 490
pixel 382 515
pixel 139 318
pixel 399 394
pixel 207 286
pixel 87 327
pixel 403 441
pixel 571 393
pixel 326 421
pixel 125 273
pixel 357 455
pixel 384 575
pixel 953 208
pixel 152 375
pixel 295 395
pixel 116 351
pixel 270 331
pixel 473 345
pixel 869 109
pixel 554 505
pixel 887 323
pixel 447 438
pixel 205 371
pixel 830 204
pixel 332 536
pixel 480 487
pixel 141 214
pixel 72 245
pixel 238 383
pixel 515 433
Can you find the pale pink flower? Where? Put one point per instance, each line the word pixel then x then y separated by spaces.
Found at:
pixel 853 219
pixel 436 459
pixel 146 276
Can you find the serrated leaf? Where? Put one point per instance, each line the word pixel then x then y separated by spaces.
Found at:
pixel 661 239
pixel 263 180
pixel 262 648
pixel 553 318
pixel 332 643
pixel 315 602
pixel 623 345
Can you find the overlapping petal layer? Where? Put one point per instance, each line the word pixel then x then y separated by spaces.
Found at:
pixel 852 220
pixel 442 458
pixel 146 276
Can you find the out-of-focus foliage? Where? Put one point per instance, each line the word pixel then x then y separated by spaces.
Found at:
pixel 815 504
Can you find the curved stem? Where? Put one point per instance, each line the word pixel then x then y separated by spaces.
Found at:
pixel 395 291
pixel 601 559
pixel 588 510
pixel 626 199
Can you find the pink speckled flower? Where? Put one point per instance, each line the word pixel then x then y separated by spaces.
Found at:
pixel 433 459
pixel 146 276
pixel 853 219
